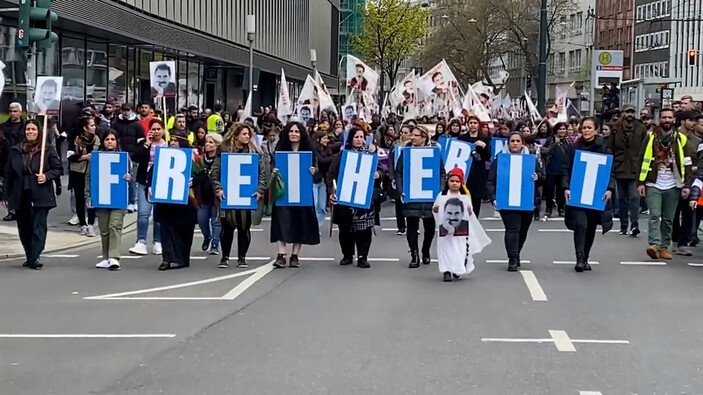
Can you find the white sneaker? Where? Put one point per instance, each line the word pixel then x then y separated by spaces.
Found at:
pixel 104 264
pixel 84 230
pixel 114 264
pixel 139 248
pixel 131 208
pixel 91 231
pixel 74 220
pixel 157 248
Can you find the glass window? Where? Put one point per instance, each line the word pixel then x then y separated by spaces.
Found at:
pixel 96 73
pixel 182 84
pixel 117 74
pixel 72 70
pixel 193 84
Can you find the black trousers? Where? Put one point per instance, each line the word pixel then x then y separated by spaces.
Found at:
pixel 552 190
pixel 476 200
pixel 683 224
pixel 176 242
pixel 77 181
pixel 399 218
pixel 32 228
pixel 517 224
pixel 628 204
pixel 243 235
pixel 585 222
pixel 348 239
pixel 411 235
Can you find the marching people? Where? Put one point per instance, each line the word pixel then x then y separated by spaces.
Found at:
pixel 110 221
pixel 29 190
pixel 555 152
pixel 626 139
pixel 11 134
pixel 516 222
pixel 583 221
pixel 208 218
pixel 238 139
pixel 414 212
pixel 293 225
pixel 143 156
pixel 130 132
pixel 460 234
pixel 665 176
pixel 477 174
pixel 177 220
pixel 683 218
pixel 394 192
pixel 323 158
pixel 78 155
pixel 355 224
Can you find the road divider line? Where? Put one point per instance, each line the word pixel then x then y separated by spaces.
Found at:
pixel 571 263
pixel 536 290
pixel 590 393
pixel 562 341
pixel 87 336
pixel 249 281
pixel 504 261
pixel 495 230
pixel 643 263
pixel 554 230
pixel 696 264
pixel 384 259
pixel 125 256
pixel 315 259
pixel 60 256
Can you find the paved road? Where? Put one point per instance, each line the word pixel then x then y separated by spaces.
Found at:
pixel 324 328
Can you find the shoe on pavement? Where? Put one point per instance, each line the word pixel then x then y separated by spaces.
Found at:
pixel 84 230
pixel 346 261
pixel 139 249
pixel 363 263
pixel 635 232
pixel 242 264
pixel 684 251
pixel 156 249
pixel 224 263
pixel 74 220
pixel 206 244
pixel 114 265
pixel 623 232
pixel 665 254
pixel 12 217
pixel 400 232
pixel 131 208
pixel 447 277
pixel 104 264
pixel 91 231
pixel 653 252
pixel 213 251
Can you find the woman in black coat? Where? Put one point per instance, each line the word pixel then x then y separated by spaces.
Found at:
pixel 583 221
pixel 30 192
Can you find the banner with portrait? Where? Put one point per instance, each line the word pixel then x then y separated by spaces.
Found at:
pixel 163 78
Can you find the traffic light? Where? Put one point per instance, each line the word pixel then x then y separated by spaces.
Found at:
pixel 35 21
pixel 692 57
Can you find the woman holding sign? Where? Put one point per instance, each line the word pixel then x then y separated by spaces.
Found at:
pixel 238 139
pixel 29 189
pixel 355 224
pixel 295 225
pixel 583 221
pixel 516 222
pixel 476 181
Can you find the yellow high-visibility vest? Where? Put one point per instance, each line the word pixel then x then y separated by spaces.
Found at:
pixel 649 156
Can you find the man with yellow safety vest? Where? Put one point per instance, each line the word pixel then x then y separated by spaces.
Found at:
pixel 665 176
pixel 215 123
pixel 179 128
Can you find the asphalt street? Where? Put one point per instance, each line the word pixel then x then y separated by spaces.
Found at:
pixel 625 327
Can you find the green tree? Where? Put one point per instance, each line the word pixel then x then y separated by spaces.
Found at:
pixel 391 30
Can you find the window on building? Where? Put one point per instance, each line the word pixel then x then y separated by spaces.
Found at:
pixel 96 73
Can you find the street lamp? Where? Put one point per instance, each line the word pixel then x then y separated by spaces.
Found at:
pixel 251 33
pixel 313 60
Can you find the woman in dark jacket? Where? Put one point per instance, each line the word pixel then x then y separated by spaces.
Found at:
pixel 323 157
pixel 414 212
pixel 555 152
pixel 516 222
pixel 208 220
pixel 583 221
pixel 355 224
pixel 476 181
pixel 293 225
pixel 78 155
pixel 29 191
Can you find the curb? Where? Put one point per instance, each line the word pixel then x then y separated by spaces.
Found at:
pixel 128 228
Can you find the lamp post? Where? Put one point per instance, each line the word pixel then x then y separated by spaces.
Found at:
pixel 251 33
pixel 313 60
pixel 542 68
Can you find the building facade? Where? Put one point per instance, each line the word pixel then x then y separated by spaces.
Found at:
pixel 615 20
pixel 105 47
pixel 652 39
pixel 686 34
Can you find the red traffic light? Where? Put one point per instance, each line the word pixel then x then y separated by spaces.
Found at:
pixel 692 57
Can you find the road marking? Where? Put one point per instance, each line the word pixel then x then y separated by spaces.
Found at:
pixel 696 264
pixel 533 285
pixel 384 259
pixel 494 230
pixel 125 256
pixel 315 259
pixel 644 263
pixel 248 282
pixel 198 258
pixel 590 393
pixel 561 340
pixel 123 295
pixel 504 261
pixel 87 336
pixel 571 263
pixel 554 230
pixel 60 256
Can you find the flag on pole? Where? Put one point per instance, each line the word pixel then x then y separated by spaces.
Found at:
pixel 534 114
pixel 323 97
pixel 561 103
pixel 478 109
pixel 246 113
pixel 360 76
pixel 321 83
pixel 284 105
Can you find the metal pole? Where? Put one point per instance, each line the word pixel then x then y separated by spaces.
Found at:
pixel 251 67
pixel 542 71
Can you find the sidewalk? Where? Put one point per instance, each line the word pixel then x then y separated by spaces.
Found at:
pixel 61 235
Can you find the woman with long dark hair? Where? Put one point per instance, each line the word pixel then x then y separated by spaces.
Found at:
pixel 323 158
pixel 414 212
pixel 476 181
pixel 29 192
pixel 208 219
pixel 393 191
pixel 516 222
pixel 110 220
pixel 355 224
pixel 584 221
pixel 78 156
pixel 238 139
pixel 293 225
pixel 555 153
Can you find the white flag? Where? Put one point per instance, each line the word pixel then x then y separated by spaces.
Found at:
pixel 284 105
pixel 478 109
pixel 323 97
pixel 360 76
pixel 246 113
pixel 321 83
pixel 561 103
pixel 534 114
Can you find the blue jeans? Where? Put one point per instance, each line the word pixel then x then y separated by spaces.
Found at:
pixel 143 214
pixel 133 186
pixel 319 194
pixel 209 224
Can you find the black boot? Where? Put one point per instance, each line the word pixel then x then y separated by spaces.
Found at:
pixel 447 277
pixel 580 267
pixel 414 259
pixel 513 264
pixel 426 259
pixel 346 261
pixel 362 262
pixel 586 266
